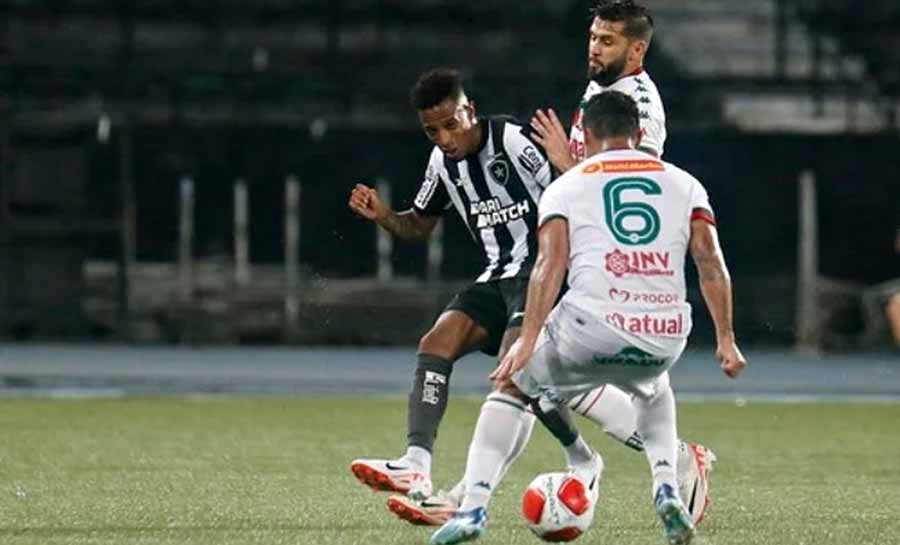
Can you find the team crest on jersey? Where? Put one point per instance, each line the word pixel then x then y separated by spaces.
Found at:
pixel 499 170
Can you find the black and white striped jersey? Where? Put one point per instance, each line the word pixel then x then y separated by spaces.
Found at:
pixel 496 191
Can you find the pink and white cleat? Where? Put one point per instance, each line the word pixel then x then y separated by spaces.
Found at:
pixel 392 476
pixel 432 511
pixel 695 462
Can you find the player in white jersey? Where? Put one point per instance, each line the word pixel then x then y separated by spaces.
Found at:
pixel 621 223
pixel 619 36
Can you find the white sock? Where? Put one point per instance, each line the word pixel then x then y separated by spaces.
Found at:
pixel 578 453
pixel 493 443
pixel 612 410
pixel 526 425
pixel 420 458
pixel 656 424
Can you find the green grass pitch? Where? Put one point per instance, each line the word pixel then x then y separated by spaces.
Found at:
pixel 236 470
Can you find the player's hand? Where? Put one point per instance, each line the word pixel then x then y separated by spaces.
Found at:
pixel 730 359
pixel 365 202
pixel 551 135
pixel 516 359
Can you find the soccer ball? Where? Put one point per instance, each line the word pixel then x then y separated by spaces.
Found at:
pixel 556 507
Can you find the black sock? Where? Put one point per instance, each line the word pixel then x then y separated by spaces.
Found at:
pixel 557 421
pixel 428 400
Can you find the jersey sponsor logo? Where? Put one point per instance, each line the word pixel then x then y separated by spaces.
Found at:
pixel 428 186
pixel 660 325
pixel 491 213
pixel 627 165
pixel 652 298
pixel 640 263
pixel 499 170
pixel 431 387
pixel 630 357
pixel 531 160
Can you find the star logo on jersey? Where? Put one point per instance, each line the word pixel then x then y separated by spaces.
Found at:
pixel 499 170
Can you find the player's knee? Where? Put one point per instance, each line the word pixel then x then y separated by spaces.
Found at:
pixel 438 343
pixel 511 390
pixel 506 401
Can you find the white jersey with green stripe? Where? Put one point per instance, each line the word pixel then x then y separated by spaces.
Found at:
pixel 641 88
pixel 628 217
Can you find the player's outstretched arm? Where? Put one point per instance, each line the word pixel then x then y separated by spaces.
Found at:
pixel 410 225
pixel 543 289
pixel 550 134
pixel 715 284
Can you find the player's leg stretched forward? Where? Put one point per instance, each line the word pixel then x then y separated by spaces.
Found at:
pixel 500 415
pixel 453 335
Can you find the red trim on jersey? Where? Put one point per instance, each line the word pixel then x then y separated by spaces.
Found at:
pixel 637 71
pixel 703 215
pixel 594 402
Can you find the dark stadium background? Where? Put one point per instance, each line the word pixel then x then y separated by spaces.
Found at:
pixel 221 90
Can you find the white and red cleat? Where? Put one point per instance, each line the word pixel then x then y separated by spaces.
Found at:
pixel 392 476
pixel 433 511
pixel 695 462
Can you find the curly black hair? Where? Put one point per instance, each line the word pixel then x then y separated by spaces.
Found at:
pixel 637 18
pixel 436 86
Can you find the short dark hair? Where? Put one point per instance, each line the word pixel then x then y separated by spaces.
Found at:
pixel 611 113
pixel 436 86
pixel 637 18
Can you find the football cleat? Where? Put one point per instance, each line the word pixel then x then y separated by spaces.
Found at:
pixel 590 475
pixel 695 462
pixel 432 511
pixel 392 476
pixel 464 526
pixel 675 518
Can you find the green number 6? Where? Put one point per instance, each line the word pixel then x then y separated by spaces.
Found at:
pixel 617 211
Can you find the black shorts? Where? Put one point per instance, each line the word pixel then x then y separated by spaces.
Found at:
pixel 496 306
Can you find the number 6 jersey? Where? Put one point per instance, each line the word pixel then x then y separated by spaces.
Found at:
pixel 629 228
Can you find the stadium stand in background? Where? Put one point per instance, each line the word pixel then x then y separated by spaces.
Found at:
pixel 162 91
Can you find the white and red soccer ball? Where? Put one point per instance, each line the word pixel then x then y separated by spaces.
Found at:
pixel 557 507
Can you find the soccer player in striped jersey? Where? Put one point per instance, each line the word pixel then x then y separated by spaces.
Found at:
pixel 492 174
pixel 618 39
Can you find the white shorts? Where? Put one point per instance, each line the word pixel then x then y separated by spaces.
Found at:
pixel 576 352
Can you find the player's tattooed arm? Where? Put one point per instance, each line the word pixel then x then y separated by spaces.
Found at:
pixel 715 285
pixel 410 225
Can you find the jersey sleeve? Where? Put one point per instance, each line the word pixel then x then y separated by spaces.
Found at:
pixel 700 208
pixel 553 205
pixel 529 157
pixel 432 198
